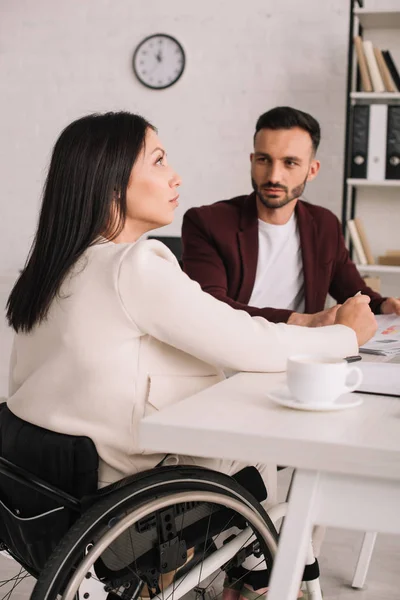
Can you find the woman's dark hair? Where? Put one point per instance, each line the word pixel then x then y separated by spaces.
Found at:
pixel 84 198
pixel 285 117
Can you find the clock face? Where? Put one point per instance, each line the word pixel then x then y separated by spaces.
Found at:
pixel 159 61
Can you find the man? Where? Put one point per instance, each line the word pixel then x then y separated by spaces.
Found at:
pixel 271 253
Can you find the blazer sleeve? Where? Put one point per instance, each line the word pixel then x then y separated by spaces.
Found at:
pixel 203 263
pixel 346 280
pixel 163 302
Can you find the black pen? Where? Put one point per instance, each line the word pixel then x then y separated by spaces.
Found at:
pixel 351 359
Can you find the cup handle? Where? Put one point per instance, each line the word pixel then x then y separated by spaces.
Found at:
pixel 359 377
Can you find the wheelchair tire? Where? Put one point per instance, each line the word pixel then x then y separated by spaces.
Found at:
pixel 132 512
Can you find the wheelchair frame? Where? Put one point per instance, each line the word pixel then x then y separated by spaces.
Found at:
pixel 180 586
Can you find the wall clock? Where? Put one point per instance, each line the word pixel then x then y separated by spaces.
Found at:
pixel 159 61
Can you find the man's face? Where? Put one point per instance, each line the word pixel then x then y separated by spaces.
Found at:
pixel 282 162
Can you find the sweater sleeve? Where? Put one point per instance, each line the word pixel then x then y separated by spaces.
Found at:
pixel 165 303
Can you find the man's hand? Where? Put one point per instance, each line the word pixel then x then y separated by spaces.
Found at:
pixel 391 306
pixel 319 319
pixel 356 314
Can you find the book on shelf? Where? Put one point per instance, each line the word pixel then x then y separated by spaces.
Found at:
pixel 392 67
pixel 362 65
pixel 373 282
pixel 356 241
pixel 364 240
pixel 390 258
pixel 378 71
pixel 373 68
pixel 384 71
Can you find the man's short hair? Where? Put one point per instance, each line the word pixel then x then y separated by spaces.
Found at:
pixel 285 117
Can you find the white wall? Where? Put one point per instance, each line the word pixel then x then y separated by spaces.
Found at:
pixel 61 59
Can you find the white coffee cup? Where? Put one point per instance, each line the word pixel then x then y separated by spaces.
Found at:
pixel 318 379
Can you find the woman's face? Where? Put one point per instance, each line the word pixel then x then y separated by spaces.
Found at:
pixel 152 194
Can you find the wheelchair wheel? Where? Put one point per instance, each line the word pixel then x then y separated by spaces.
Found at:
pixel 162 536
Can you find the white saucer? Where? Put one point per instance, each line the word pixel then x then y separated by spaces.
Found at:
pixel 283 397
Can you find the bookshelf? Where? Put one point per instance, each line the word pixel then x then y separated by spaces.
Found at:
pixel 378 269
pixel 377 19
pixel 371 199
pixel 376 96
pixel 388 183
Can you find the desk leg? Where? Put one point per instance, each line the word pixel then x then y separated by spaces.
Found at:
pixel 360 574
pixel 296 534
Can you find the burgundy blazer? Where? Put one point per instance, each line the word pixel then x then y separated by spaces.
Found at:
pixel 220 251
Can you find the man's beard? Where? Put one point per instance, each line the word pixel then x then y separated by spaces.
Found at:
pixel 291 195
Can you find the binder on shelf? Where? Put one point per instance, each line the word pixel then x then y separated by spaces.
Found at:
pixel 392 67
pixel 373 69
pixel 364 240
pixel 359 141
pixel 392 170
pixel 376 163
pixel 355 239
pixel 362 65
pixel 384 71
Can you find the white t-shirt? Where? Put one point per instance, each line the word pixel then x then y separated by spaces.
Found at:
pixel 279 279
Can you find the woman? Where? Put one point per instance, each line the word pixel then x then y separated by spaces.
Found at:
pixel 108 328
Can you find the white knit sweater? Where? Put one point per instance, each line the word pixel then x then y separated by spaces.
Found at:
pixel 129 334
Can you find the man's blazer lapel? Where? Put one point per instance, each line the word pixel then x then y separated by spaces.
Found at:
pixel 308 243
pixel 248 247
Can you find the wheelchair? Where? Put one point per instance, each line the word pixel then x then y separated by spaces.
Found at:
pixel 157 534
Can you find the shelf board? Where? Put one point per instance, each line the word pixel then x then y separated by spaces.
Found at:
pixel 385 97
pixel 378 19
pixel 378 269
pixel 369 183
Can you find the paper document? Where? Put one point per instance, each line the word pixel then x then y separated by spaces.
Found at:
pixel 380 378
pixel 386 341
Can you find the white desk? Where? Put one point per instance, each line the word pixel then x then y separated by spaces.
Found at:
pixel 348 462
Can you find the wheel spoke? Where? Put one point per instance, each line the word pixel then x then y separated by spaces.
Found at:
pixel 196 563
pixel 17 579
pixel 179 540
pixel 209 511
pixel 205 547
